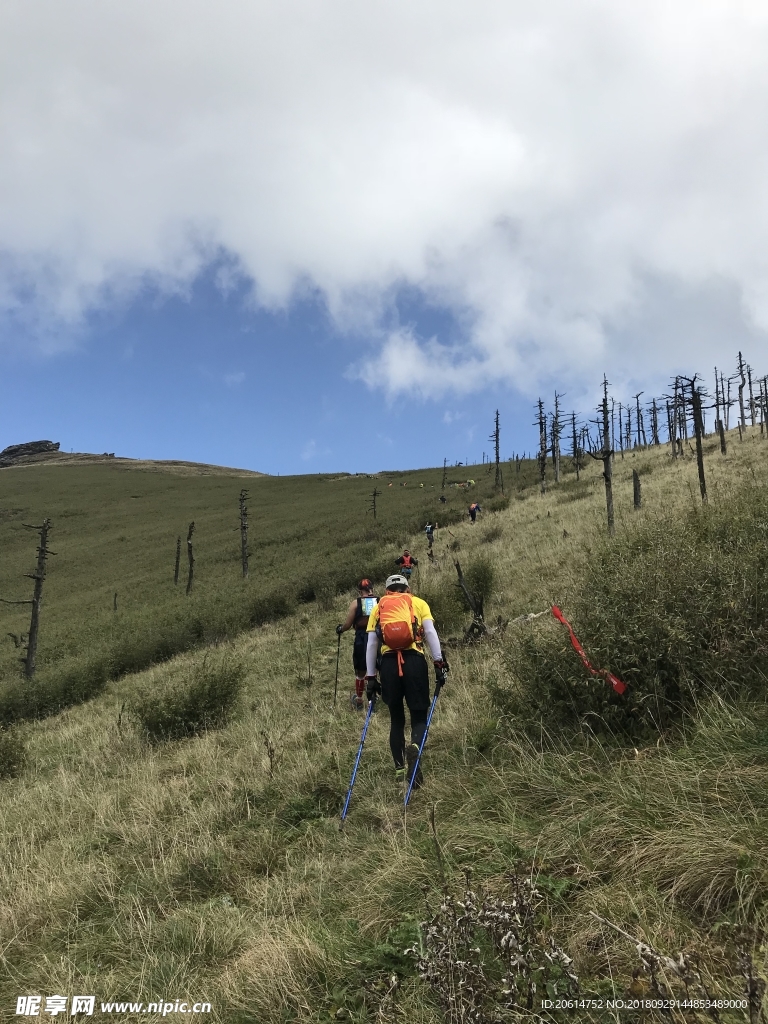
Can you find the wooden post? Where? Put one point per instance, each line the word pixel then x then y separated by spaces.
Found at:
pixel 114 602
pixel 244 531
pixel 638 500
pixel 178 559
pixel 190 556
pixel 37 597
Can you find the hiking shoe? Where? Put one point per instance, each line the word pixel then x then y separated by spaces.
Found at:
pixel 356 702
pixel 399 774
pixel 411 753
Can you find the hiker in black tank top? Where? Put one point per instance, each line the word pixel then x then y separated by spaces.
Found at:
pixel 357 619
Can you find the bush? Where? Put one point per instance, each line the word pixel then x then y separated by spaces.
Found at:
pixel 444 602
pixel 493 533
pixel 13 755
pixel 203 700
pixel 480 576
pixel 677 609
pixel 498 504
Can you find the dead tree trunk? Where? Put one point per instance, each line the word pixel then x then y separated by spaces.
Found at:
pixel 244 531
pixel 190 557
pixel 654 424
pixel 178 560
pixel 542 447
pixel 498 483
pixel 628 444
pixel 721 431
pixel 621 433
pixel 726 402
pixel 445 474
pixel 751 397
pixel 639 425
pixel 575 453
pixel 717 402
pixel 557 429
pixel 606 455
pixel 698 426
pixel 375 493
pixel 37 597
pixel 478 627
pixel 742 385
pixel 638 500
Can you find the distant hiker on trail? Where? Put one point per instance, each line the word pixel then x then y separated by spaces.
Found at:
pixel 357 619
pixel 406 561
pixel 429 529
pixel 401 623
pixel 474 508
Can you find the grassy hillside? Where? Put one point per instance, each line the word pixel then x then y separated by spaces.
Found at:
pixel 213 868
pixel 115 530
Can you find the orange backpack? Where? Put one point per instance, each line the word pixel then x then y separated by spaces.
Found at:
pixel 398 627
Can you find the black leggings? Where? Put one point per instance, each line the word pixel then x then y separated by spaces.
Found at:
pixel 413 688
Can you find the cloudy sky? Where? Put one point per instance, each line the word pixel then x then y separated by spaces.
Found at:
pixel 302 236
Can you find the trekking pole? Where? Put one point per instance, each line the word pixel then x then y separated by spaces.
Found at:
pixel 421 745
pixel 357 762
pixel 336 684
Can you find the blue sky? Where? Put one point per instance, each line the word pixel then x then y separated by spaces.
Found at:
pixel 229 229
pixel 207 377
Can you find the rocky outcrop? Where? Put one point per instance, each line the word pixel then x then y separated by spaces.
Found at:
pixel 15 452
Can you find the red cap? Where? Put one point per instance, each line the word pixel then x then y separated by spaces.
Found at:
pixel 364 585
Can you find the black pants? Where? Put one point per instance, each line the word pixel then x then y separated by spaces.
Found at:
pixel 413 687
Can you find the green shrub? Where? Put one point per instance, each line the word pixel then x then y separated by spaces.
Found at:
pixel 13 755
pixel 498 504
pixel 444 602
pixel 480 576
pixel 203 699
pixel 493 533
pixel 677 609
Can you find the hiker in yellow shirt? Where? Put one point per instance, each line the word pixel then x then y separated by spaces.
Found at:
pixel 402 624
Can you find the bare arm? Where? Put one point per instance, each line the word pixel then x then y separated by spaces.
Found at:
pixel 350 619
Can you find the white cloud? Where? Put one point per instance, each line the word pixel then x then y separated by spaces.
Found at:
pixel 578 182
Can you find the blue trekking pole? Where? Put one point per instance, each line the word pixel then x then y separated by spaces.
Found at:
pixel 357 761
pixel 438 687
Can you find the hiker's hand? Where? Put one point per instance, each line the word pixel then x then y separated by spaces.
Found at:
pixel 441 671
pixel 372 687
pixel 339 629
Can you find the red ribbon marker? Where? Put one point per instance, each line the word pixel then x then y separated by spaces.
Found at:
pixel 609 677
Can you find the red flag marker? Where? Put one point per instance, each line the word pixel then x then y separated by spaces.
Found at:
pixel 609 677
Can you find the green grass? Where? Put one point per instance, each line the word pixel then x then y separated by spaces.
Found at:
pixel 213 867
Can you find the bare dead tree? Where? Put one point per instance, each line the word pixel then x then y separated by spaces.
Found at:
pixel 375 493
pixel 178 560
pixel 498 483
pixel 728 402
pixel 742 385
pixel 751 397
pixel 557 429
pixel 654 424
pixel 639 425
pixel 244 530
pixel 621 432
pixel 628 443
pixel 190 557
pixel 575 450
pixel 723 446
pixel 37 595
pixel 542 447
pixel 605 454
pixel 717 402
pixel 636 494
pixel 445 474
pixel 698 426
